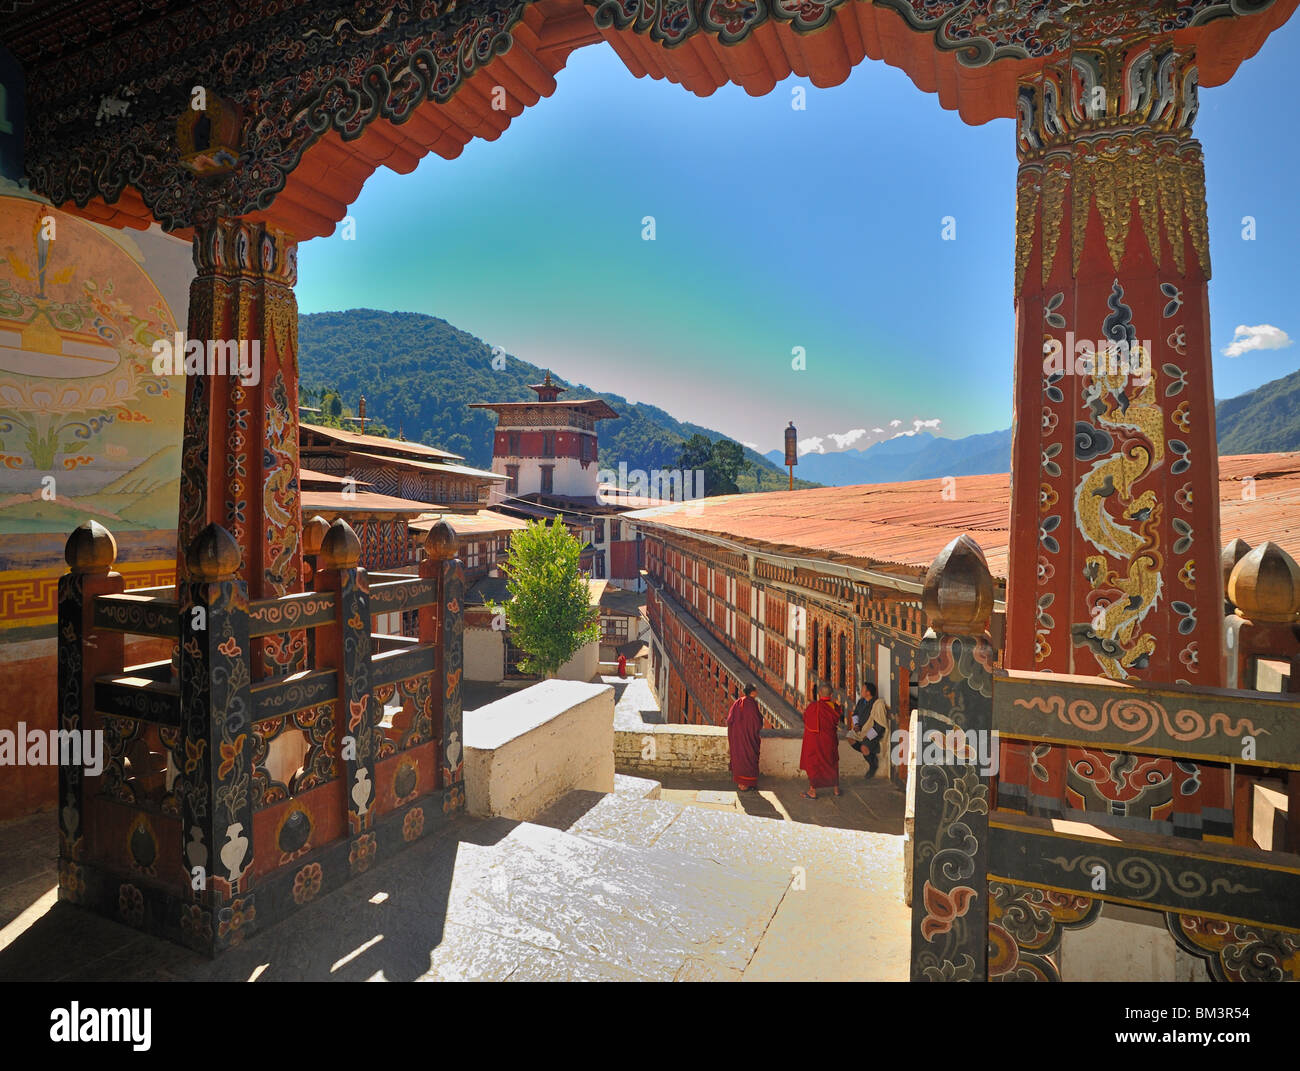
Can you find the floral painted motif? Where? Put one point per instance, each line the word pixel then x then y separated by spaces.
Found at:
pixel 362 853
pixel 231 920
pixel 413 823
pixel 130 905
pixel 307 883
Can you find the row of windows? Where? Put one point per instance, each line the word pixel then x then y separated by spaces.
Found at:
pixel 586 445
pixel 548 479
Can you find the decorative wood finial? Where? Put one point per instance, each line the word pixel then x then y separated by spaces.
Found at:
pixel 340 549
pixel 313 535
pixel 1265 585
pixel 214 555
pixel 440 543
pixel 958 595
pixel 1232 553
pixel 90 549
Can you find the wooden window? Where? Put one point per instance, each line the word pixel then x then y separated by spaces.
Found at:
pixel 548 479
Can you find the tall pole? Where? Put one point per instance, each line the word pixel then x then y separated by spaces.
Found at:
pixel 791 451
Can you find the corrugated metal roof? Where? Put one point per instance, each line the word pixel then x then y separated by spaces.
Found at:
pixel 902 527
pixel 596 407
pixel 361 502
pixel 483 522
pixel 306 476
pixel 376 442
pixel 430 466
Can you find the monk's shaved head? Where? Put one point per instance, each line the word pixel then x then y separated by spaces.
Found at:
pixel 823 691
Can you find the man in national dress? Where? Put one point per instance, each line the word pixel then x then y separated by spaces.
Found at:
pixel 744 720
pixel 820 756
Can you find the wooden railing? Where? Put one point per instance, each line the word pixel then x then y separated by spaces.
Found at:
pixel 994 888
pixel 189 742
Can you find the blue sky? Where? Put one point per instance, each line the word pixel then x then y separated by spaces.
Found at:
pixel 775 229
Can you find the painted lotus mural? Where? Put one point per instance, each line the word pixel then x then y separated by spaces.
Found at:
pixel 86 427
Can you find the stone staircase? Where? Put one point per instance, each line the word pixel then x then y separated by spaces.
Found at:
pixel 838 913
pixel 617 886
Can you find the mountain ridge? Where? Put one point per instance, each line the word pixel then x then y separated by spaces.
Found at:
pixel 419 372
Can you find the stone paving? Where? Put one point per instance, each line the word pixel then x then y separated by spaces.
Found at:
pixel 701 883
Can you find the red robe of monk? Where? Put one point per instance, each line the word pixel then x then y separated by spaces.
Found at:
pixel 820 757
pixel 744 720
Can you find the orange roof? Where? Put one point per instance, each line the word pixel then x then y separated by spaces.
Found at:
pixel 372 442
pixel 900 528
pixel 482 522
pixel 597 408
pixel 306 476
pixel 361 502
pixel 431 466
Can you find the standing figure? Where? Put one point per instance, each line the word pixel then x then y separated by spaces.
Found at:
pixel 744 720
pixel 870 723
pixel 622 665
pixel 820 756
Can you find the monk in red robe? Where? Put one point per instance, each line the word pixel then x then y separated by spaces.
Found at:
pixel 820 757
pixel 744 720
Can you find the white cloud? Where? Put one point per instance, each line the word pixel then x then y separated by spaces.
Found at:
pixel 843 442
pixel 917 425
pixel 814 444
pixel 877 431
pixel 752 446
pixel 1259 337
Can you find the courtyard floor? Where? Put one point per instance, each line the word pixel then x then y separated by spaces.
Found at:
pixel 701 883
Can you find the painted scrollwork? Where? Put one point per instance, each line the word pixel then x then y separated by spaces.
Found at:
pixel 317 68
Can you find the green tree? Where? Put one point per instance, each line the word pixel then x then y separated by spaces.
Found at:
pixel 549 613
pixel 726 462
pixel 722 461
pixel 696 452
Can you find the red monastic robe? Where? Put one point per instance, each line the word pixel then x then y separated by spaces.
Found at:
pixel 820 757
pixel 744 720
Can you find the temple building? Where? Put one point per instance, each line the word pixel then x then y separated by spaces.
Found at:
pixel 1074 614
pixel 397 467
pixel 548 451
pixel 789 589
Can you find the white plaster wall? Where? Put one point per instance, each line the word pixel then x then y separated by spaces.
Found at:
pixel 584 665
pixel 485 655
pixel 570 478
pixel 524 752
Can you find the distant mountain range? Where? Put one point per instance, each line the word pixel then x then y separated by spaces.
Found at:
pixel 921 456
pixel 419 374
pixel 1262 421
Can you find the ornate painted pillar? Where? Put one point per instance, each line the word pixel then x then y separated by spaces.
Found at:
pixel 239 466
pixel 951 940
pixel 1115 513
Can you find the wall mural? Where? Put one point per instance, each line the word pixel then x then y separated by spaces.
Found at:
pixel 87 430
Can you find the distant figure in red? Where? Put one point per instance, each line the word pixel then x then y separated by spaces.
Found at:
pixel 744 721
pixel 820 757
pixel 622 665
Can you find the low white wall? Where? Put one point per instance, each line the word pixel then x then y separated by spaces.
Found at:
pixel 524 752
pixel 648 749
pixel 485 655
pixel 584 665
